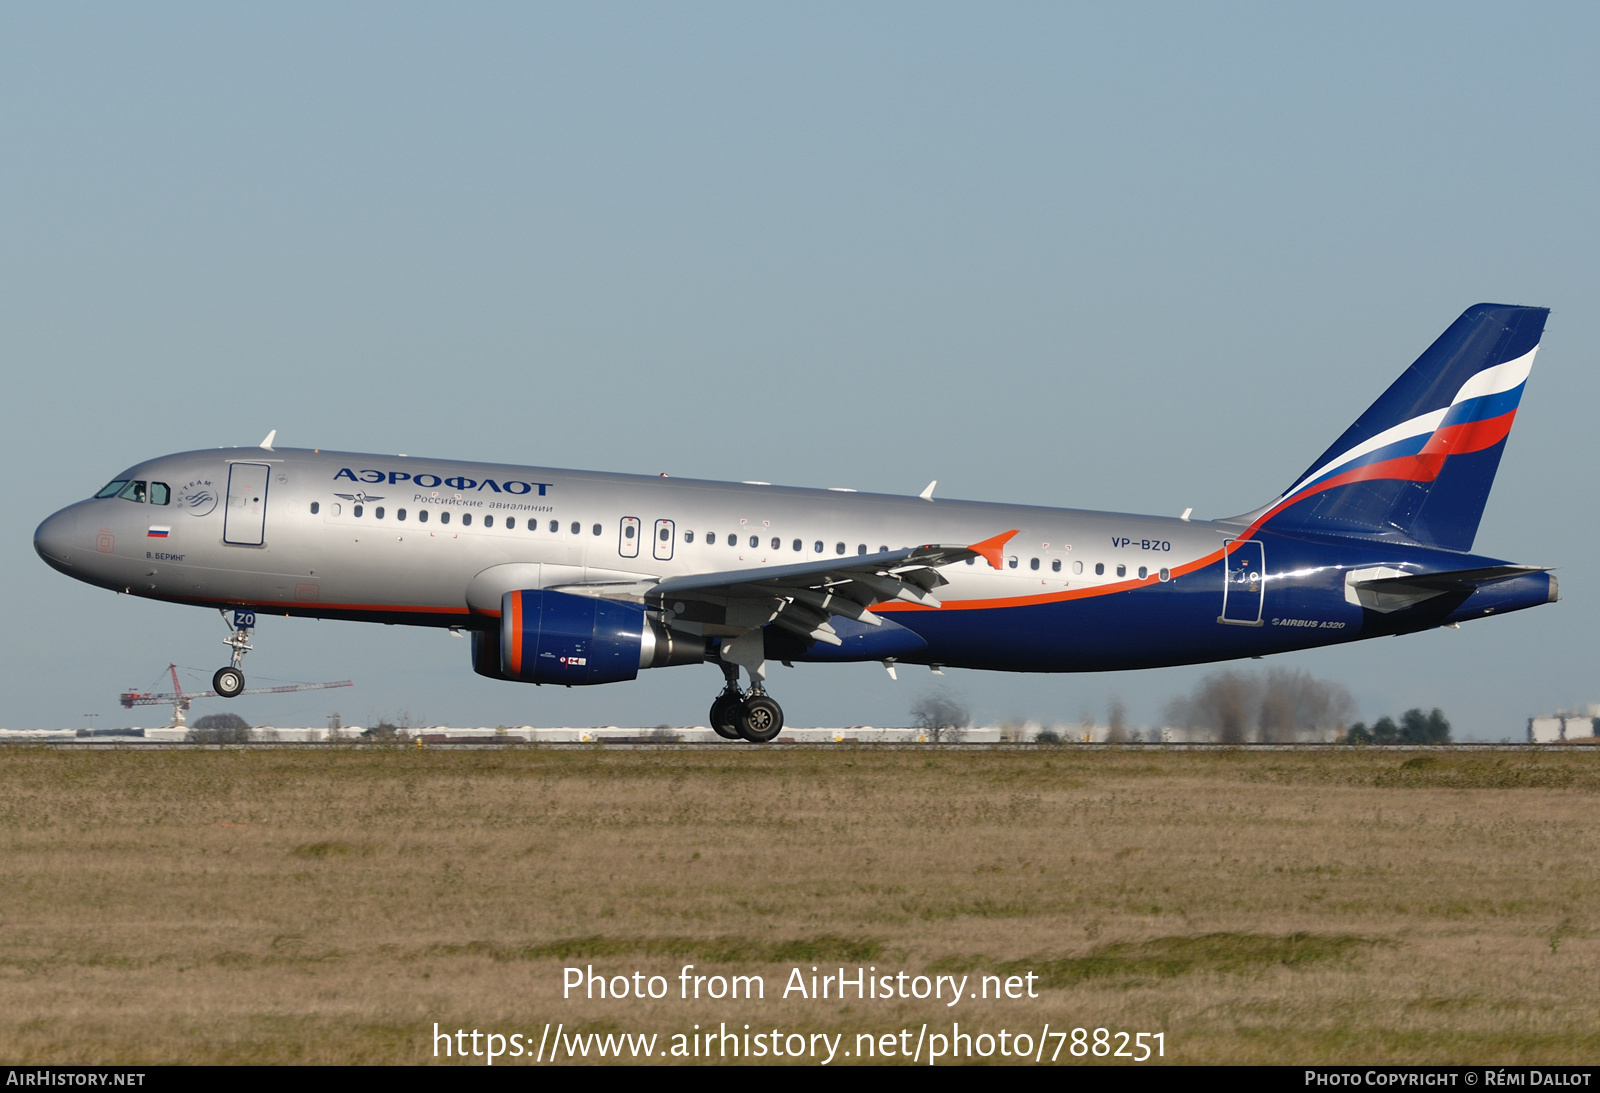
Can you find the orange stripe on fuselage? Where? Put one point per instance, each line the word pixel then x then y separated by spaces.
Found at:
pixel 270 605
pixel 1048 597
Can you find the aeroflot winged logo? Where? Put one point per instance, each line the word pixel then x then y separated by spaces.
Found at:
pixel 433 481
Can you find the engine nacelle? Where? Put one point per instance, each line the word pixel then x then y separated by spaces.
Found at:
pixel 556 637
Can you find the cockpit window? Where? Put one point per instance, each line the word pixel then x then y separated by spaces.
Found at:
pixel 112 488
pixel 160 494
pixel 134 491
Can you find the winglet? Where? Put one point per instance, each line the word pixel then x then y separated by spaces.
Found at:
pixel 267 443
pixel 990 549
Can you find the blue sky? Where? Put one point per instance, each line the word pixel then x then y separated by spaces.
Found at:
pixel 1136 257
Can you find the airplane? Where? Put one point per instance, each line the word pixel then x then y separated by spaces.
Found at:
pixel 579 578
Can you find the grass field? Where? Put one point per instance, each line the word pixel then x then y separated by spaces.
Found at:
pixel 331 905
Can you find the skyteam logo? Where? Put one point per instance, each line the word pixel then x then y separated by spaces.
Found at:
pixel 458 482
pixel 198 498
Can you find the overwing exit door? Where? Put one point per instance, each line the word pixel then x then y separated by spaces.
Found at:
pixel 663 540
pixel 1244 582
pixel 244 523
pixel 628 537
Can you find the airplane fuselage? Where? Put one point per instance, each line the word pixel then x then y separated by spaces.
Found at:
pixel 403 539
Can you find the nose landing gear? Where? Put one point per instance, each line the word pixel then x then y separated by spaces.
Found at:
pixel 229 681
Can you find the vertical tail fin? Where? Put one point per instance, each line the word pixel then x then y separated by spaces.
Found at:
pixel 1419 463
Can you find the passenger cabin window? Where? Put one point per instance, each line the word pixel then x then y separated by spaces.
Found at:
pixel 688 536
pixel 111 489
pixel 1122 571
pixel 818 546
pixel 798 545
pixel 1077 567
pixel 315 508
pixel 971 560
pixel 444 517
pixel 862 549
pixel 711 538
pixel 755 541
pixel 466 519
pixel 356 510
pixel 133 491
pixel 576 527
pixel 1055 565
pixel 160 494
pixel 1165 575
pixel 777 543
pixel 1012 561
pixel 1099 569
pixel 399 514
pixel 378 512
pixel 555 527
pixel 838 548
pixel 1143 573
pixel 596 529
pixel 422 516
pixel 1033 563
pixel 488 521
pixel 883 549
pixel 511 523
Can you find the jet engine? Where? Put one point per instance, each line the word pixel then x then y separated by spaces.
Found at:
pixel 556 637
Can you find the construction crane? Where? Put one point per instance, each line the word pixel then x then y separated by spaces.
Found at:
pixel 180 698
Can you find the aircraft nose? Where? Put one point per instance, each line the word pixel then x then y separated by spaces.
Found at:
pixel 54 539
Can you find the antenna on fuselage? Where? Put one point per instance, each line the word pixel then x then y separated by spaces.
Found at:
pixel 927 494
pixel 267 443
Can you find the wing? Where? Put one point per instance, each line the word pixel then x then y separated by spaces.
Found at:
pixel 802 598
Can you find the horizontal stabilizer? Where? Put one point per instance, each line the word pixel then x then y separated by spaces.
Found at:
pixel 1384 589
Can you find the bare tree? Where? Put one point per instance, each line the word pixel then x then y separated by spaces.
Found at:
pixel 1318 705
pixel 1117 723
pixel 1223 705
pixel 219 728
pixel 1287 704
pixel 941 717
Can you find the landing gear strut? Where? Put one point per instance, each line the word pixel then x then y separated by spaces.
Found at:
pixel 750 716
pixel 229 681
pixel 725 710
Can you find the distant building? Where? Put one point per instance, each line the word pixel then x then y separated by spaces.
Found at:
pixel 1563 727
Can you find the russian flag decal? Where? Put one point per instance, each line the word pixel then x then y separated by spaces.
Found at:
pixel 157 532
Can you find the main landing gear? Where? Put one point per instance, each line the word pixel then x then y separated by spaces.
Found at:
pixel 739 716
pixel 229 681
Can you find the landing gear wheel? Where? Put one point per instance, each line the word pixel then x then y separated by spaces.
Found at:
pixel 228 682
pixel 760 720
pixel 725 715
